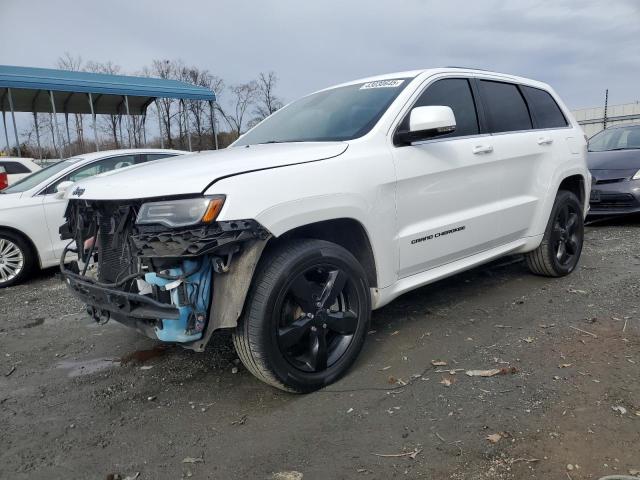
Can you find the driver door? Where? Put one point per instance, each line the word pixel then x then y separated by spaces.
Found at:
pixel 448 192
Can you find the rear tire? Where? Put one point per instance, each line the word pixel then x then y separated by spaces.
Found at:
pixel 561 246
pixel 306 316
pixel 17 259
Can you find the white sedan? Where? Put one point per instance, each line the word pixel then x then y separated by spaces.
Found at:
pixel 18 168
pixel 31 211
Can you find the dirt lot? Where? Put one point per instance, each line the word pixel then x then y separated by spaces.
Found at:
pixel 82 401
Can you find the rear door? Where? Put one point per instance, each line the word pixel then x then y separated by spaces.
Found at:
pixel 448 188
pixel 520 152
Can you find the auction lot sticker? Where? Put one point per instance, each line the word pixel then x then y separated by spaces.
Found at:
pixel 382 84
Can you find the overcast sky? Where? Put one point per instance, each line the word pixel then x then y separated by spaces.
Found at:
pixel 579 47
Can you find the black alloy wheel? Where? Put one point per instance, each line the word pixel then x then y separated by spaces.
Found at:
pixel 559 252
pixel 317 320
pixel 565 234
pixel 306 316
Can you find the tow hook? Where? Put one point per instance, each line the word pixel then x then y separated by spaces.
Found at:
pixel 101 317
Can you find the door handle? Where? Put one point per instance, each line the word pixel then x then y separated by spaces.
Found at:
pixel 545 141
pixel 482 149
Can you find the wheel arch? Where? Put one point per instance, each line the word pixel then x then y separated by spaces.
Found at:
pixel 576 185
pixel 575 180
pixel 231 289
pixel 26 238
pixel 347 232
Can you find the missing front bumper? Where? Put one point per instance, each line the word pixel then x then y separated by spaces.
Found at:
pixel 116 302
pixel 160 280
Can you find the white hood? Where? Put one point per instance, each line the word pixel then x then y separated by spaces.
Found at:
pixel 192 174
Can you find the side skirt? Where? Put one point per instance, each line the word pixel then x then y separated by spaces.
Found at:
pixel 383 296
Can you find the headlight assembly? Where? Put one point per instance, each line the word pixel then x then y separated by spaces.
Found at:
pixel 636 176
pixel 181 213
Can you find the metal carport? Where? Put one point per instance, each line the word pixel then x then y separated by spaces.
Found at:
pixel 45 90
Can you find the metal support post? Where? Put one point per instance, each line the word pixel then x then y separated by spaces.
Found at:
pixel 13 119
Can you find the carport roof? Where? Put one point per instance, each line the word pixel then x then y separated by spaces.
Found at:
pixel 30 90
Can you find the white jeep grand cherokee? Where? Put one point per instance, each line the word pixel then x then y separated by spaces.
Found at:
pixel 333 206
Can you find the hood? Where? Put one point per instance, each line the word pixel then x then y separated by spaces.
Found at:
pixel 614 160
pixel 192 174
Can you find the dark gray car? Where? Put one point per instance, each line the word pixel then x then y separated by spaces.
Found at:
pixel 614 162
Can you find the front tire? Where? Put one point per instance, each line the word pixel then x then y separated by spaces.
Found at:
pixel 17 260
pixel 306 317
pixel 561 246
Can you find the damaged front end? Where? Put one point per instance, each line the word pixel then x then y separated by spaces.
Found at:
pixel 165 268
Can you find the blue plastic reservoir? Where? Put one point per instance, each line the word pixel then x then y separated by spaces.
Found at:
pixel 198 291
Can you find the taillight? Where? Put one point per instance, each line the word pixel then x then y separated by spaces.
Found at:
pixel 4 181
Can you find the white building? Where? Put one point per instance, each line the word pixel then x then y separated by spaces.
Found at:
pixel 592 119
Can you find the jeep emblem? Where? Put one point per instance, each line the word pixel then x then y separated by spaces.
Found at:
pixel 78 191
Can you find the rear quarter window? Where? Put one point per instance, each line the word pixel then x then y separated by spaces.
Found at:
pixel 505 106
pixel 150 157
pixel 544 109
pixel 14 168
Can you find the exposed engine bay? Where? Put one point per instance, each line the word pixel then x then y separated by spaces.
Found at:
pixel 157 279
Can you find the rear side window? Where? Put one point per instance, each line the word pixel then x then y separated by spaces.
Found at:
pixel 14 168
pixel 506 109
pixel 544 109
pixel 454 93
pixel 92 169
pixel 150 157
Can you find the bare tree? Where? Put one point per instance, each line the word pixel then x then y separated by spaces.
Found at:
pixel 110 124
pixel 242 100
pixel 197 109
pixel 164 69
pixel 244 97
pixel 74 64
pixel 218 87
pixel 267 101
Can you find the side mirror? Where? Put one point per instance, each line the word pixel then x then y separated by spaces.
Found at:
pixel 62 188
pixel 427 122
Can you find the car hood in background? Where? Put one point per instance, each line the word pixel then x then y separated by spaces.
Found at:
pixel 614 160
pixel 192 174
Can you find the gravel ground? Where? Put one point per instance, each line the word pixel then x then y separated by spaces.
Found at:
pixel 83 401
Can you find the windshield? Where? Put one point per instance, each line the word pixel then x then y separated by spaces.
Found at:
pixel 619 138
pixel 38 177
pixel 341 113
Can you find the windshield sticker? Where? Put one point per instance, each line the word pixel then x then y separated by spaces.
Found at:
pixel 382 84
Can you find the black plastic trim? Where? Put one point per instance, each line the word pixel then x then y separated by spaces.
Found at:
pixel 116 301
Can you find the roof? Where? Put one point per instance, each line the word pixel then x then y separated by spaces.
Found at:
pixel 412 74
pixel 30 90
pixel 123 151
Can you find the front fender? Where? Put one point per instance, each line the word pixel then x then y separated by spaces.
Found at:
pixel 281 218
pixel 360 186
